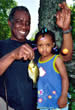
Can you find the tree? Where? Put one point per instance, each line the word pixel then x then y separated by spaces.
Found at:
pixel 5 6
pixel 47 11
pixel 73 21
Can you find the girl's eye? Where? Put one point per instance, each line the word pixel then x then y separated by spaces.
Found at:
pixel 48 44
pixel 40 45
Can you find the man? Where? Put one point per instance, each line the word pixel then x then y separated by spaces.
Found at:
pixel 15 54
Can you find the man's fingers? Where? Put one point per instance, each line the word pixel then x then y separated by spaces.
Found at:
pixel 63 5
pixel 58 15
pixel 28 51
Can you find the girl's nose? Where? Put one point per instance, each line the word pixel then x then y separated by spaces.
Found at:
pixel 44 47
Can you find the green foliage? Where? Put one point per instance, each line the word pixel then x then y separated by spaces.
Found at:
pixel 73 21
pixel 5 6
pixel 72 99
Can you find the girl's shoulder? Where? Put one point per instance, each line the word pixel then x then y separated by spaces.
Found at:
pixel 58 56
pixel 58 60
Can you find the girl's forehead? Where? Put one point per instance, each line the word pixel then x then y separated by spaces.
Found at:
pixel 42 38
pixel 45 37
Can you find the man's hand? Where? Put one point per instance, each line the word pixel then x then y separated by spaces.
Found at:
pixel 63 16
pixel 24 52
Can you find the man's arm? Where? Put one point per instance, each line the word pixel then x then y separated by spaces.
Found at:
pixel 67 46
pixel 63 21
pixel 5 62
pixel 24 52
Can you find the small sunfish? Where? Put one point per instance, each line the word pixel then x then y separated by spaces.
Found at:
pixel 33 72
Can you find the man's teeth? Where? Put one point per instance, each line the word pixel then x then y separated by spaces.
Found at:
pixel 22 32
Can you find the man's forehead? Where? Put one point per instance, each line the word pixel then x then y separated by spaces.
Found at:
pixel 21 13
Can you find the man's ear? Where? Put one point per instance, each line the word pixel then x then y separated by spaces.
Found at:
pixel 9 23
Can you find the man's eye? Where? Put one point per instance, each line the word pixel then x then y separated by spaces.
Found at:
pixel 27 23
pixel 17 21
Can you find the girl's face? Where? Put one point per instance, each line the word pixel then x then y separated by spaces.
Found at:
pixel 45 45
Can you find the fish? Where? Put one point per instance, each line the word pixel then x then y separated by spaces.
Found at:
pixel 33 72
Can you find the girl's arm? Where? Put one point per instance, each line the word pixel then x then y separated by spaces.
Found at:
pixel 62 101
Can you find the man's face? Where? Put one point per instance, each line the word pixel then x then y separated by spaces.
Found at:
pixel 20 26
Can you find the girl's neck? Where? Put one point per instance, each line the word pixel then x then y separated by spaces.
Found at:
pixel 44 58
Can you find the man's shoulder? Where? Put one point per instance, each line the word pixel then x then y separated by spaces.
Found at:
pixel 5 45
pixel 4 41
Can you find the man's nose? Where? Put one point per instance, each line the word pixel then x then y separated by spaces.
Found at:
pixel 23 25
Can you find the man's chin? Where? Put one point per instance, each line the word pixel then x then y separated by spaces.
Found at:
pixel 22 40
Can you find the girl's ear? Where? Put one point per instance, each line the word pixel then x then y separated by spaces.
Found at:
pixel 53 44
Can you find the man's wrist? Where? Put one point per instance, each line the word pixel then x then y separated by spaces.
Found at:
pixel 67 30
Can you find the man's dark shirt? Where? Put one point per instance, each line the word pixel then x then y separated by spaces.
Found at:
pixel 20 92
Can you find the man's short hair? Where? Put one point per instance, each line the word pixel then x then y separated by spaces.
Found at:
pixel 17 8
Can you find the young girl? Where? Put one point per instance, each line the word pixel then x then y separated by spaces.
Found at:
pixel 53 81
